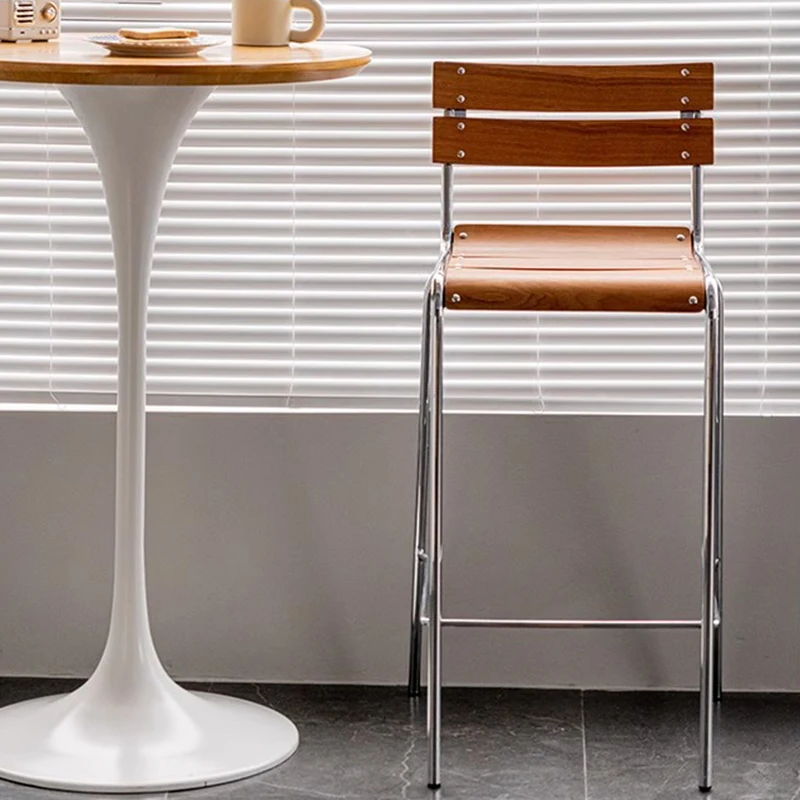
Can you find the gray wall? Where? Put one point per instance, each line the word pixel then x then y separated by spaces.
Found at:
pixel 279 545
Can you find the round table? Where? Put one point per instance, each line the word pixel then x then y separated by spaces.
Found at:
pixel 130 728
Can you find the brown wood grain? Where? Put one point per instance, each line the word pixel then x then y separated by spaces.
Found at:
pixel 72 60
pixel 573 268
pixel 568 143
pixel 549 88
pixel 566 290
pixel 600 241
pixel 585 262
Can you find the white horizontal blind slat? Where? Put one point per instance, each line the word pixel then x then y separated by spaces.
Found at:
pixel 300 223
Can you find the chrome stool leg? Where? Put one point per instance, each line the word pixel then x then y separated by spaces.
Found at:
pixel 712 522
pixel 718 617
pixel 433 471
pixel 420 571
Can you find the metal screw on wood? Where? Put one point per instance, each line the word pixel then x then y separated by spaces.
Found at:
pixel 456 298
pixel 462 235
pixel 685 72
pixel 685 154
pixel 685 100
pixel 685 126
pixel 680 237
pixel 461 125
pixel 460 98
pixel 461 154
pixel 461 71
pixel 693 301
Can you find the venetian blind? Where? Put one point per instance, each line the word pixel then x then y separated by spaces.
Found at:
pixel 300 223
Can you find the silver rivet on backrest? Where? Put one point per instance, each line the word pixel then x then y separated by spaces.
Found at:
pixel 461 154
pixel 685 100
pixel 685 72
pixel 460 98
pixel 685 126
pixel 461 71
pixel 680 237
pixel 685 155
pixel 456 298
pixel 462 235
pixel 693 301
pixel 461 126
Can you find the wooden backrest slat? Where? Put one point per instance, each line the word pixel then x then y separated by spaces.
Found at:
pixel 567 89
pixel 562 143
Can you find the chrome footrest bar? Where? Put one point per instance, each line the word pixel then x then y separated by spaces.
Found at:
pixel 641 624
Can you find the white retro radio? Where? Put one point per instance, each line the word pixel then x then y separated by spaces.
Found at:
pixel 29 20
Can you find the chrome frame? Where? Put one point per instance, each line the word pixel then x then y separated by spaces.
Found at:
pixel 426 610
pixel 420 580
pixel 713 416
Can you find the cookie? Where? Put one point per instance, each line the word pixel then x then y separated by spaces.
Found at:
pixel 157 34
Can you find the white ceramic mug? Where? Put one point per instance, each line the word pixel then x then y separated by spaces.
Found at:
pixel 268 23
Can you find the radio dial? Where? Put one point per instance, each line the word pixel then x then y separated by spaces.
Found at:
pixel 49 11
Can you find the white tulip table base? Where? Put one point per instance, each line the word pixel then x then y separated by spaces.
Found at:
pixel 130 728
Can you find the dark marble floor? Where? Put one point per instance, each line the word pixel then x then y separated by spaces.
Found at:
pixel 368 743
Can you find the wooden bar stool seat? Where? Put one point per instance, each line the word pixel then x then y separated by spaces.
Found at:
pixel 573 268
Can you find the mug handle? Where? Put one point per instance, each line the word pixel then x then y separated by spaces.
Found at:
pixel 317 21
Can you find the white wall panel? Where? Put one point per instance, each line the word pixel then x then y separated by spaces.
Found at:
pixel 279 546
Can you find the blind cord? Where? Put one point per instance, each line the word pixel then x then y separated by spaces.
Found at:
pixel 539 387
pixel 767 219
pixel 50 256
pixel 290 393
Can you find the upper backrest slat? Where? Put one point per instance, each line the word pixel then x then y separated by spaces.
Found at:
pixel 566 89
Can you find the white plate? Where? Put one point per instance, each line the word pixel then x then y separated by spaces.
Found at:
pixel 154 48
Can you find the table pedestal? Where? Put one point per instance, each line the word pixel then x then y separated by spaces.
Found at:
pixel 130 728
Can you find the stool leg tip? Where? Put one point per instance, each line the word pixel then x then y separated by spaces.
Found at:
pixel 704 789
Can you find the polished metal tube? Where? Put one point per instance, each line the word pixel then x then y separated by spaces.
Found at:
pixel 447 190
pixel 418 585
pixel 718 622
pixel 447 203
pixel 640 624
pixel 432 470
pixel 714 296
pixel 697 193
pixel 712 522
pixel 434 309
pixel 421 565
pixel 716 468
pixel 697 206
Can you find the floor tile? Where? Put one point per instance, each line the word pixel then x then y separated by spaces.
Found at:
pixel 644 745
pixel 368 743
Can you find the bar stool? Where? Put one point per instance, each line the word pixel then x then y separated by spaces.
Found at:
pixel 568 268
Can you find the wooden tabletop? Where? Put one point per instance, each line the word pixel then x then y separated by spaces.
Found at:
pixel 71 59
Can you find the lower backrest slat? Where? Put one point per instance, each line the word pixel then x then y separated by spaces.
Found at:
pixel 570 143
